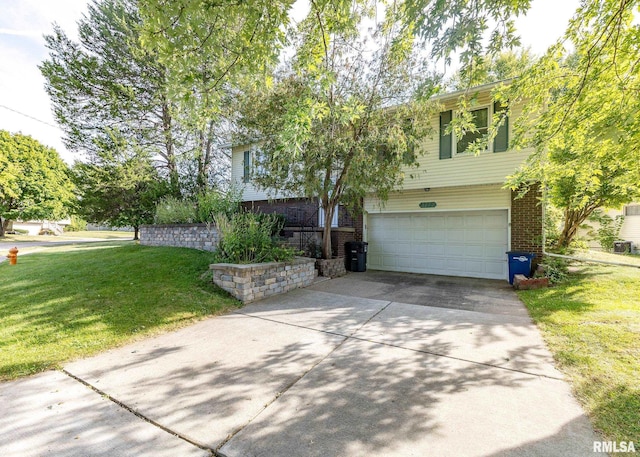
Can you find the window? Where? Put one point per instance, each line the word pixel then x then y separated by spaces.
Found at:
pixel 247 167
pixel 334 220
pixel 482 117
pixel 632 210
pixel 481 121
pixel 252 163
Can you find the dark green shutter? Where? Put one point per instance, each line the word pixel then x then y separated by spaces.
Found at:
pixel 445 139
pixel 501 141
pixel 247 166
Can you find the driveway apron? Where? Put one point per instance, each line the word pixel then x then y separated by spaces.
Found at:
pixel 371 364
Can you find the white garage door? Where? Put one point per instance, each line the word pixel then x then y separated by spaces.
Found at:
pixel 465 243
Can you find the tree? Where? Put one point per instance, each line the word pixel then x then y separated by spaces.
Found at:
pixel 341 121
pixel 34 181
pixel 120 190
pixel 581 116
pixel 503 66
pixel 107 85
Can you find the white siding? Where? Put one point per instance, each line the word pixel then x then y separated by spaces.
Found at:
pixel 250 192
pixel 446 199
pixel 464 169
pixel 460 170
pixel 630 230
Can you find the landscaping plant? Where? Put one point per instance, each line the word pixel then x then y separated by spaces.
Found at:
pixel 248 237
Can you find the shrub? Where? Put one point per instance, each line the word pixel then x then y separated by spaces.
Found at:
pixel 246 237
pixel 77 225
pixel 215 202
pixel 556 269
pixel 172 210
pixel 607 230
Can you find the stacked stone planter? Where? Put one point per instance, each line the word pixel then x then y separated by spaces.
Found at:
pixel 331 268
pixel 194 236
pixel 252 282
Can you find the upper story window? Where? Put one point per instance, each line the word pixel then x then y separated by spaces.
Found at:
pixel 481 121
pixel 632 210
pixel 450 146
pixel 251 163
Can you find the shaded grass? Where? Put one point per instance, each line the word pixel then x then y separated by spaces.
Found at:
pixel 592 325
pixel 74 301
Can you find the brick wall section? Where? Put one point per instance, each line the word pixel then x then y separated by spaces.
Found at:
pixel 249 283
pixel 339 236
pixel 194 236
pixel 526 222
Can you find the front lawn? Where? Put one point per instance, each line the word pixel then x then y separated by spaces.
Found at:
pixel 70 236
pixel 74 301
pixel 592 325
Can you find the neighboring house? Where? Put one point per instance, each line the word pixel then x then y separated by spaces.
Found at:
pixel 40 227
pixel 452 218
pixel 630 230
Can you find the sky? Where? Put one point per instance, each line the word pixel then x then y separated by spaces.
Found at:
pixel 25 106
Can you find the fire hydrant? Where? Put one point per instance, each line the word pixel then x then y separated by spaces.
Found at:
pixel 13 256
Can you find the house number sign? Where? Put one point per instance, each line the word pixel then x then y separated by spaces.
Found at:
pixel 427 204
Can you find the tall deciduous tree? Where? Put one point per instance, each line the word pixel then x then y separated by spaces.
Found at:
pixel 34 181
pixel 344 120
pixel 581 115
pixel 107 85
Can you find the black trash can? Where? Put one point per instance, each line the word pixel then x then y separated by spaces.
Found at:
pixel 356 253
pixel 519 263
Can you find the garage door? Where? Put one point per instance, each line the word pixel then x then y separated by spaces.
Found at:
pixel 465 243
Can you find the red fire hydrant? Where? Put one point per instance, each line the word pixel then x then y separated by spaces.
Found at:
pixel 13 256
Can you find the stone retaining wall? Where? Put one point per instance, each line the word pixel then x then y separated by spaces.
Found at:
pixel 252 282
pixel 195 236
pixel 331 268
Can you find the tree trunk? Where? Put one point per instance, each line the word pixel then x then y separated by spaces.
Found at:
pixel 169 153
pixel 3 221
pixel 136 233
pixel 326 232
pixel 573 219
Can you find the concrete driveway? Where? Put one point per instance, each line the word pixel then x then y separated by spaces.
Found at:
pixel 372 364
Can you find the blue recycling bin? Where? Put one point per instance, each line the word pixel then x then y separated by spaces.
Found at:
pixel 519 263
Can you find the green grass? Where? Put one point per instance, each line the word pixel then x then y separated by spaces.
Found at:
pixel 74 301
pixel 592 325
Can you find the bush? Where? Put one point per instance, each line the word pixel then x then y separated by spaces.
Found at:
pixel 172 210
pixel 607 230
pixel 556 269
pixel 77 225
pixel 246 237
pixel 215 202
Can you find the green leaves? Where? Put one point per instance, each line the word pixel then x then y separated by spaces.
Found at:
pixel 580 114
pixel 34 181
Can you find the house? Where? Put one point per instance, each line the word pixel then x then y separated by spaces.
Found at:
pixel 630 230
pixel 452 218
pixel 40 227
